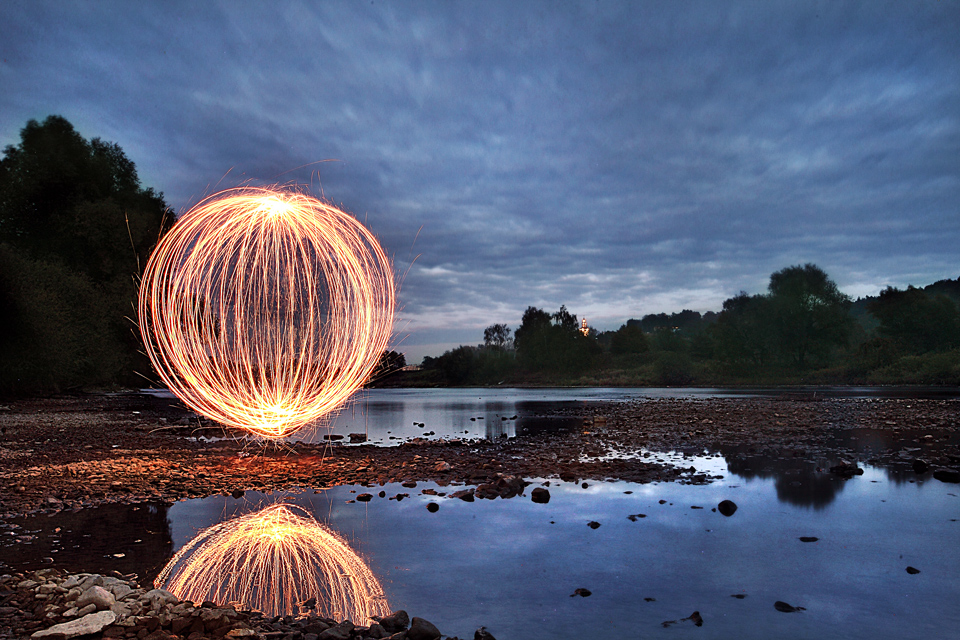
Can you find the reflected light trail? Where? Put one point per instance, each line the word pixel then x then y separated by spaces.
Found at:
pixel 265 309
pixel 271 560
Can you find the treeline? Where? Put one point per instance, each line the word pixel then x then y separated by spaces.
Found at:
pixel 802 330
pixel 76 227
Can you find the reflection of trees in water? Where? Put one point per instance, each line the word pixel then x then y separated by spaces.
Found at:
pixel 797 482
pixel 89 539
pixel 537 417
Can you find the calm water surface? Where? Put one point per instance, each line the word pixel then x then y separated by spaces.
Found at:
pixel 391 416
pixel 512 565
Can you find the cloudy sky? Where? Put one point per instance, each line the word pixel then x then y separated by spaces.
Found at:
pixel 621 158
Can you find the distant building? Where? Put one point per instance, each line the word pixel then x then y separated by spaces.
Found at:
pixel 584 329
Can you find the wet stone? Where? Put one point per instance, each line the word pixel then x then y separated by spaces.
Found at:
pixel 727 508
pixel 421 629
pixel 540 495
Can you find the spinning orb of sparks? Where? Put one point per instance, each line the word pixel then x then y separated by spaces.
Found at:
pixel 271 560
pixel 266 309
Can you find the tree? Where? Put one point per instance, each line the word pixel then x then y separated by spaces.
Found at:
pixel 565 320
pixel 530 335
pixel 628 339
pixel 74 208
pixel 809 314
pixel 77 202
pixel 916 322
pixel 388 362
pixel 741 333
pixel 553 342
pixel 497 336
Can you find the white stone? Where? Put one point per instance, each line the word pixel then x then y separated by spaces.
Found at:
pixel 71 582
pixel 94 579
pixel 120 591
pixel 160 595
pixel 98 596
pixel 86 625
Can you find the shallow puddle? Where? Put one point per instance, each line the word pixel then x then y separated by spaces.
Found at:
pixel 514 565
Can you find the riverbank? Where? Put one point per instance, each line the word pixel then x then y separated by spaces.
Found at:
pixel 75 452
pixel 78 451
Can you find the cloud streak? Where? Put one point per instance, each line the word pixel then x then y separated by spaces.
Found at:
pixel 619 158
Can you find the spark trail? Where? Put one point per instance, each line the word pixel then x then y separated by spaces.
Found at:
pixel 271 560
pixel 265 309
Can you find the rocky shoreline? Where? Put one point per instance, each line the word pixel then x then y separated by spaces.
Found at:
pixel 76 452
pixel 81 451
pixel 49 605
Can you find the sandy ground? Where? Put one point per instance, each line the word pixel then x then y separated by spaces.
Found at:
pixel 78 451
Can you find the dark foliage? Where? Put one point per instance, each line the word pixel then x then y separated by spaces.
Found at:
pixel 389 362
pixel 76 228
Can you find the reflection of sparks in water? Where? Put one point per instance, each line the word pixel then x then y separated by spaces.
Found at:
pixel 270 561
pixel 266 309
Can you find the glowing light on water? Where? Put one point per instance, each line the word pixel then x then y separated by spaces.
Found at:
pixel 271 560
pixel 265 309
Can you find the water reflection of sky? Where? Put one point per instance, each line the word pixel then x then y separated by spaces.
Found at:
pixel 390 416
pixel 512 564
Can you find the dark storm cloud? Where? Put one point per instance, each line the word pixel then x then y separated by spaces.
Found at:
pixel 619 158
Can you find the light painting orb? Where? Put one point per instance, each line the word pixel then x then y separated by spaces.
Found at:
pixel 265 309
pixel 272 560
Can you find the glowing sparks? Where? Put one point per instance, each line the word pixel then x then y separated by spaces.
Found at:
pixel 265 309
pixel 270 561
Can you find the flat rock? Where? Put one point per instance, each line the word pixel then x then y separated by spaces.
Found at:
pixel 97 596
pixel 92 623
